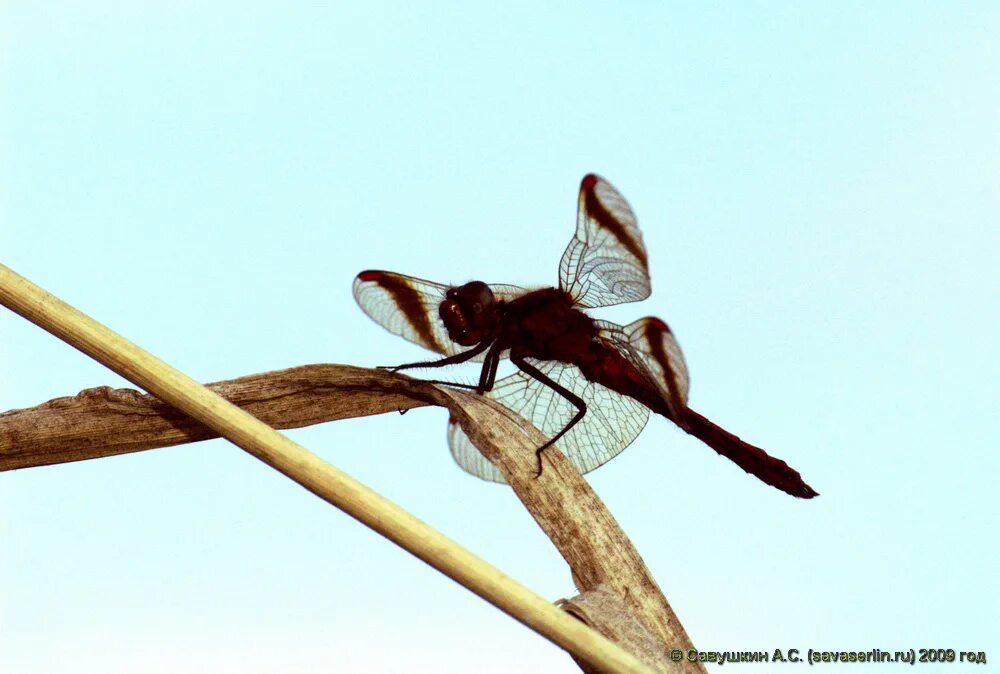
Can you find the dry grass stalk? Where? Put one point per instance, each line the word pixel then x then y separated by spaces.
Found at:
pixel 93 424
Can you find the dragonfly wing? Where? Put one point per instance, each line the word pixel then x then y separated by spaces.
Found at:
pixel 408 307
pixel 651 347
pixel 611 423
pixel 605 263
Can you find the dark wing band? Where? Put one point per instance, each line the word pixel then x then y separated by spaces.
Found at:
pixel 651 347
pixel 408 307
pixel 605 263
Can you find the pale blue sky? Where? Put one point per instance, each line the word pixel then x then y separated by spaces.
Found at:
pixel 818 188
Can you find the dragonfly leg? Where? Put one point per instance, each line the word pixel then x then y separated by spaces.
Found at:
pixel 451 360
pixel 577 401
pixel 487 376
pixel 441 362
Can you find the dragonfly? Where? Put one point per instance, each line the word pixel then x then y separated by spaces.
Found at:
pixel 587 384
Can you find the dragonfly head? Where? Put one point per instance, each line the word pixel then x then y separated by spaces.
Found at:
pixel 469 312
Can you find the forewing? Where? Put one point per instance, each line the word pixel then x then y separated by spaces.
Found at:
pixel 606 261
pixel 611 423
pixel 408 307
pixel 651 347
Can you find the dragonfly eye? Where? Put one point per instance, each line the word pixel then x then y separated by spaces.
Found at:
pixel 475 298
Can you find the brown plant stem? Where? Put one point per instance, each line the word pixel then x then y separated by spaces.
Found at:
pixel 317 476
pixel 103 421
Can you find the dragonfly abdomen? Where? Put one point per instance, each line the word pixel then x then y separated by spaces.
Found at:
pixel 606 366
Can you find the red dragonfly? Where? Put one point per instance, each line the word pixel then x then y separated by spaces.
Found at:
pixel 586 383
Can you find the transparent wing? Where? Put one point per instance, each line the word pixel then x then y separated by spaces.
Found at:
pixel 408 307
pixel 606 262
pixel 651 347
pixel 611 423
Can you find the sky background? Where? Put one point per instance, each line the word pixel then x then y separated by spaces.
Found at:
pixel 818 187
